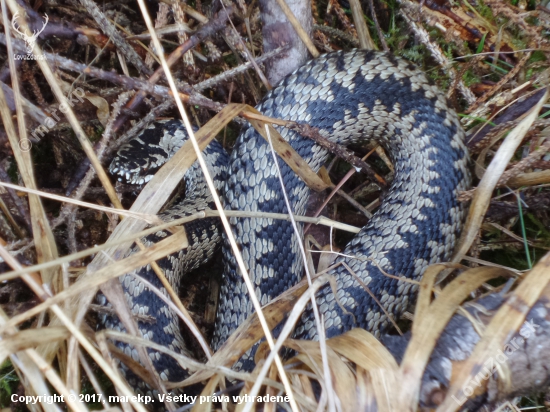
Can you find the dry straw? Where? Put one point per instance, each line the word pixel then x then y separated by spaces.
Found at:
pixel 362 370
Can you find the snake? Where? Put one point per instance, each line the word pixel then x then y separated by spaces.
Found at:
pixel 348 97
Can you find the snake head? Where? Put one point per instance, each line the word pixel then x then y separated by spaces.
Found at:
pixel 138 160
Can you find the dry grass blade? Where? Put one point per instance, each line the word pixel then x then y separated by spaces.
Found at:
pixel 184 361
pixel 75 124
pixel 207 390
pixel 30 338
pixel 118 268
pixel 207 213
pixel 530 179
pixel 287 330
pixel 321 220
pixel 426 286
pixel 225 222
pixel 157 191
pixel 362 348
pixel 318 321
pixel 428 328
pixel 384 383
pixel 288 154
pixel 505 322
pixel 341 375
pixel 250 332
pixel 87 252
pixel 298 27
pixel 46 248
pixel 150 200
pixel 43 364
pixel 482 196
pixel 54 379
pixel 148 218
pixel 371 357
pixel 30 374
pixel 365 41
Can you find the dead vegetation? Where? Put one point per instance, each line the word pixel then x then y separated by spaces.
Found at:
pixel 62 236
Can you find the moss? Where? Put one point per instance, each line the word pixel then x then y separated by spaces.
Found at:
pixel 8 383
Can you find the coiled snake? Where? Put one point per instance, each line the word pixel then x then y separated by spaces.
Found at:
pixel 348 97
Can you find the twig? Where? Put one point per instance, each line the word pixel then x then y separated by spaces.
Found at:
pixel 435 50
pixel 212 27
pixel 233 40
pixel 353 202
pixel 9 229
pixel 23 210
pixel 79 131
pixel 179 17
pixel 84 175
pixel 100 147
pixel 199 215
pixel 127 82
pixel 160 22
pixel 298 27
pixel 29 108
pixel 365 40
pixel 337 33
pixel 501 83
pixel 71 234
pixel 378 28
pixel 337 189
pixel 524 163
pixel 168 29
pixel 110 30
pixel 247 53
pixel 230 236
pixel 340 151
pixel 335 7
pixel 63 29
pixel 228 74
pixel 89 173
pixel 478 143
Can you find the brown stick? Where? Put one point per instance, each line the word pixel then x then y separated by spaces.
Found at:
pixel 525 356
pixel 119 41
pixel 501 83
pixel 208 29
pixel 128 83
pixel 340 151
pixel 378 28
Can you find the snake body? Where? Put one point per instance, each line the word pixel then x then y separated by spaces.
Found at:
pixel 348 97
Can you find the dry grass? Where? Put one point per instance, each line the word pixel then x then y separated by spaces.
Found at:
pixel 52 345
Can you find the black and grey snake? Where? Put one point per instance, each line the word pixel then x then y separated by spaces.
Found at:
pixel 348 97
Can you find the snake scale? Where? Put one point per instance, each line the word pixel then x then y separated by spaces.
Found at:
pixel 348 97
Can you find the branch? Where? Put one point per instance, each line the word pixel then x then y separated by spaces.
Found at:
pixel 128 83
pixel 340 151
pixel 520 368
pixel 228 74
pixel 119 41
pixel 210 28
